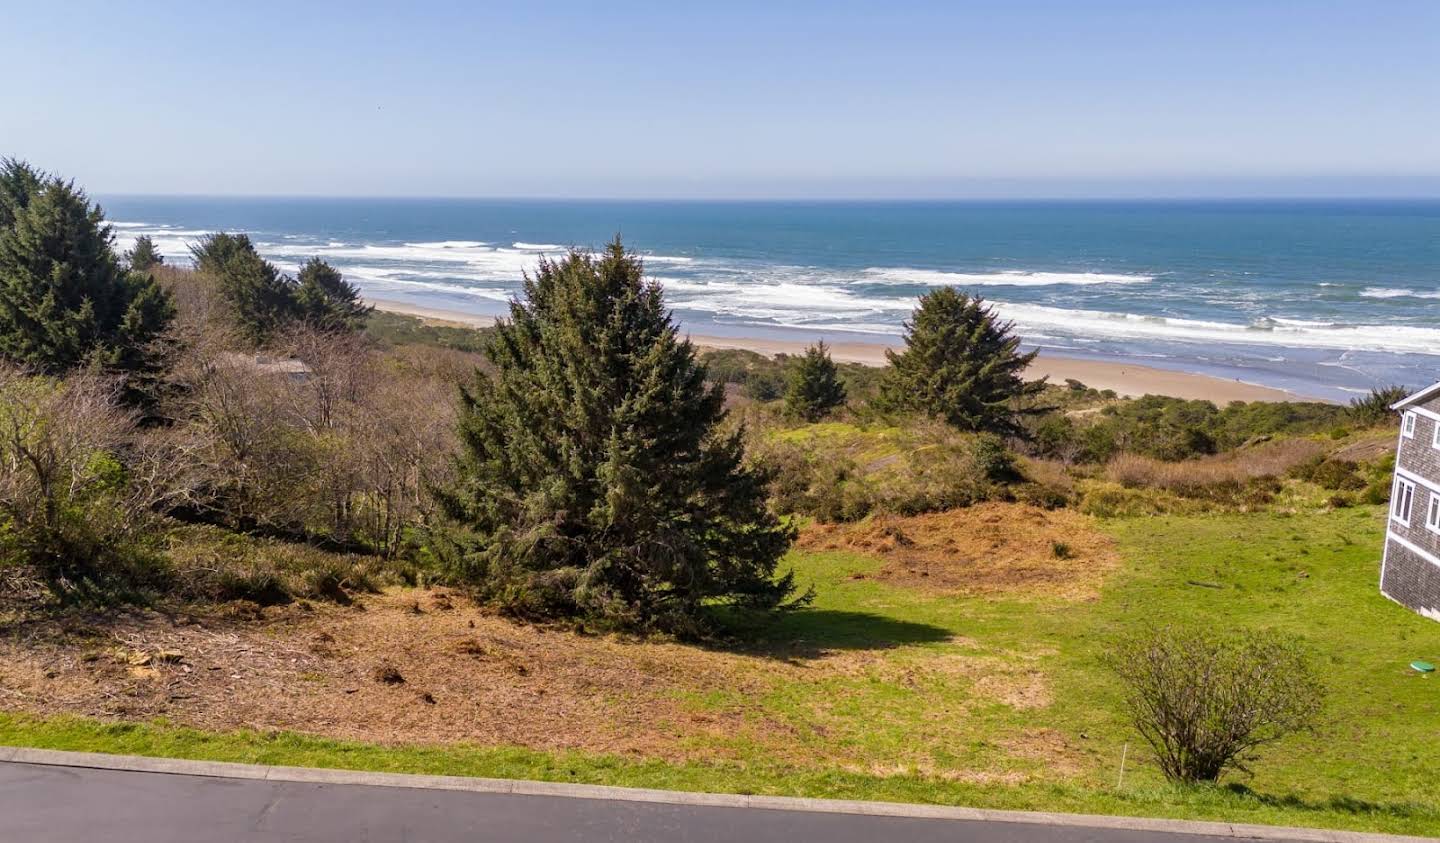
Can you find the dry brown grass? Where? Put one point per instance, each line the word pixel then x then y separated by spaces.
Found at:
pixel 379 671
pixel 1268 460
pixel 985 549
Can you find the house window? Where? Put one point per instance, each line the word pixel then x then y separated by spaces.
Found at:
pixel 1435 439
pixel 1407 426
pixel 1402 500
pixel 1432 515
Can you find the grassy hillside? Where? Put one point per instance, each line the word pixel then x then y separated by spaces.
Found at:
pixel 892 689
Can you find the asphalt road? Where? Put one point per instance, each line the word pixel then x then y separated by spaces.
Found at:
pixel 44 804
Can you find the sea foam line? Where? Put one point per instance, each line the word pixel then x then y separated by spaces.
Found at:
pixel 1006 278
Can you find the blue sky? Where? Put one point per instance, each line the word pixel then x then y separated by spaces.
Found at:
pixel 729 99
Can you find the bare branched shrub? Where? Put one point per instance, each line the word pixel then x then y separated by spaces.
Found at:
pixel 70 507
pixel 324 436
pixel 1205 702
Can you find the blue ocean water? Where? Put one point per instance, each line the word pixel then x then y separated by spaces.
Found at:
pixel 1326 298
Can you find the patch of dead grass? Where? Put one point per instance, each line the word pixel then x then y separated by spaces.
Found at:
pixel 990 548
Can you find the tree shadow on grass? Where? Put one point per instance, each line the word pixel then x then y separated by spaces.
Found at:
pixel 1338 804
pixel 804 634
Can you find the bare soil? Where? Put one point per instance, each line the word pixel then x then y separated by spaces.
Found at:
pixel 406 666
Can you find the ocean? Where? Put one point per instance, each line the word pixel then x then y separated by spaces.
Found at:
pixel 1326 298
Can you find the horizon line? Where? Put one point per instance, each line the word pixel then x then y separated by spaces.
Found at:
pixel 1279 197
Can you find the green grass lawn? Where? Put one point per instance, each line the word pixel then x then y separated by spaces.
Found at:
pixel 1003 702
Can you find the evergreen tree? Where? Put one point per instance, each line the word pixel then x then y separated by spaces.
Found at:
pixel 594 480
pixel 815 388
pixel 142 255
pixel 18 182
pixel 327 301
pixel 261 300
pixel 961 364
pixel 65 300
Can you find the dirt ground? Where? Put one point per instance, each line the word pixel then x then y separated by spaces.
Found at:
pixel 408 666
pixel 991 548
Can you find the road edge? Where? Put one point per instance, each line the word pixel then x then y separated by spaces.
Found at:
pixel 520 787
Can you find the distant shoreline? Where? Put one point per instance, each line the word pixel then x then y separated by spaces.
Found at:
pixel 1127 379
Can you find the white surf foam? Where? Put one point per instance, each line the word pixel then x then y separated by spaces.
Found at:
pixel 1008 278
pixel 1263 332
pixel 537 247
pixel 1398 293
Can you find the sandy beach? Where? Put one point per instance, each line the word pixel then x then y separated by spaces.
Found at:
pixel 1125 378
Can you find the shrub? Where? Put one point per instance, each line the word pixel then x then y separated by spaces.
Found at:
pixel 1205 702
pixel 928 468
pixel 1331 474
pixel 143 256
pixel 71 509
pixel 815 388
pixel 595 481
pixel 1219 477
pixel 1374 408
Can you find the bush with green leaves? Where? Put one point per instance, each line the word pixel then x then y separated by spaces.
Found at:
pixel 815 389
pixel 1206 701
pixel 595 481
pixel 1175 429
pixel 962 364
pixel 936 468
pixel 1373 408
pixel 65 299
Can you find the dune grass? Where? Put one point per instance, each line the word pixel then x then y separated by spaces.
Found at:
pixel 901 712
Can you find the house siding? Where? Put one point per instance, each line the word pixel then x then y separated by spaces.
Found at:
pixel 1407 576
pixel 1411 580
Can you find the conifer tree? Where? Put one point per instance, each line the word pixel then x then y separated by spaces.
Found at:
pixel 18 182
pixel 815 388
pixel 594 480
pixel 65 300
pixel 962 364
pixel 327 301
pixel 142 255
pixel 261 300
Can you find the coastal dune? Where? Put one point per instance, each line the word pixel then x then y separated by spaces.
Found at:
pixel 1128 379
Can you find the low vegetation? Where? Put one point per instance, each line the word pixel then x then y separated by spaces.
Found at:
pixel 1206 702
pixel 599 554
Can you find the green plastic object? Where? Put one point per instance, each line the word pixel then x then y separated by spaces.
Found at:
pixel 1423 667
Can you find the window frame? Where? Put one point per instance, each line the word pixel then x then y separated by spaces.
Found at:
pixel 1408 423
pixel 1435 435
pixel 1432 513
pixel 1404 491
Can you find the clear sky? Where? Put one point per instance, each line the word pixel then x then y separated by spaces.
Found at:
pixel 728 99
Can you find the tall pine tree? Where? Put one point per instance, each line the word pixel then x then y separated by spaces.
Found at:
pixel 595 481
pixel 261 300
pixel 962 364
pixel 65 300
pixel 815 388
pixel 327 301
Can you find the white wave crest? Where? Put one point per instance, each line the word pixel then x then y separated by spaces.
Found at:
pixel 1291 333
pixel 1398 293
pixel 537 247
pixel 1008 278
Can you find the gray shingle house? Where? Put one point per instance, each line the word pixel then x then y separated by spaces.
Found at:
pixel 1410 573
